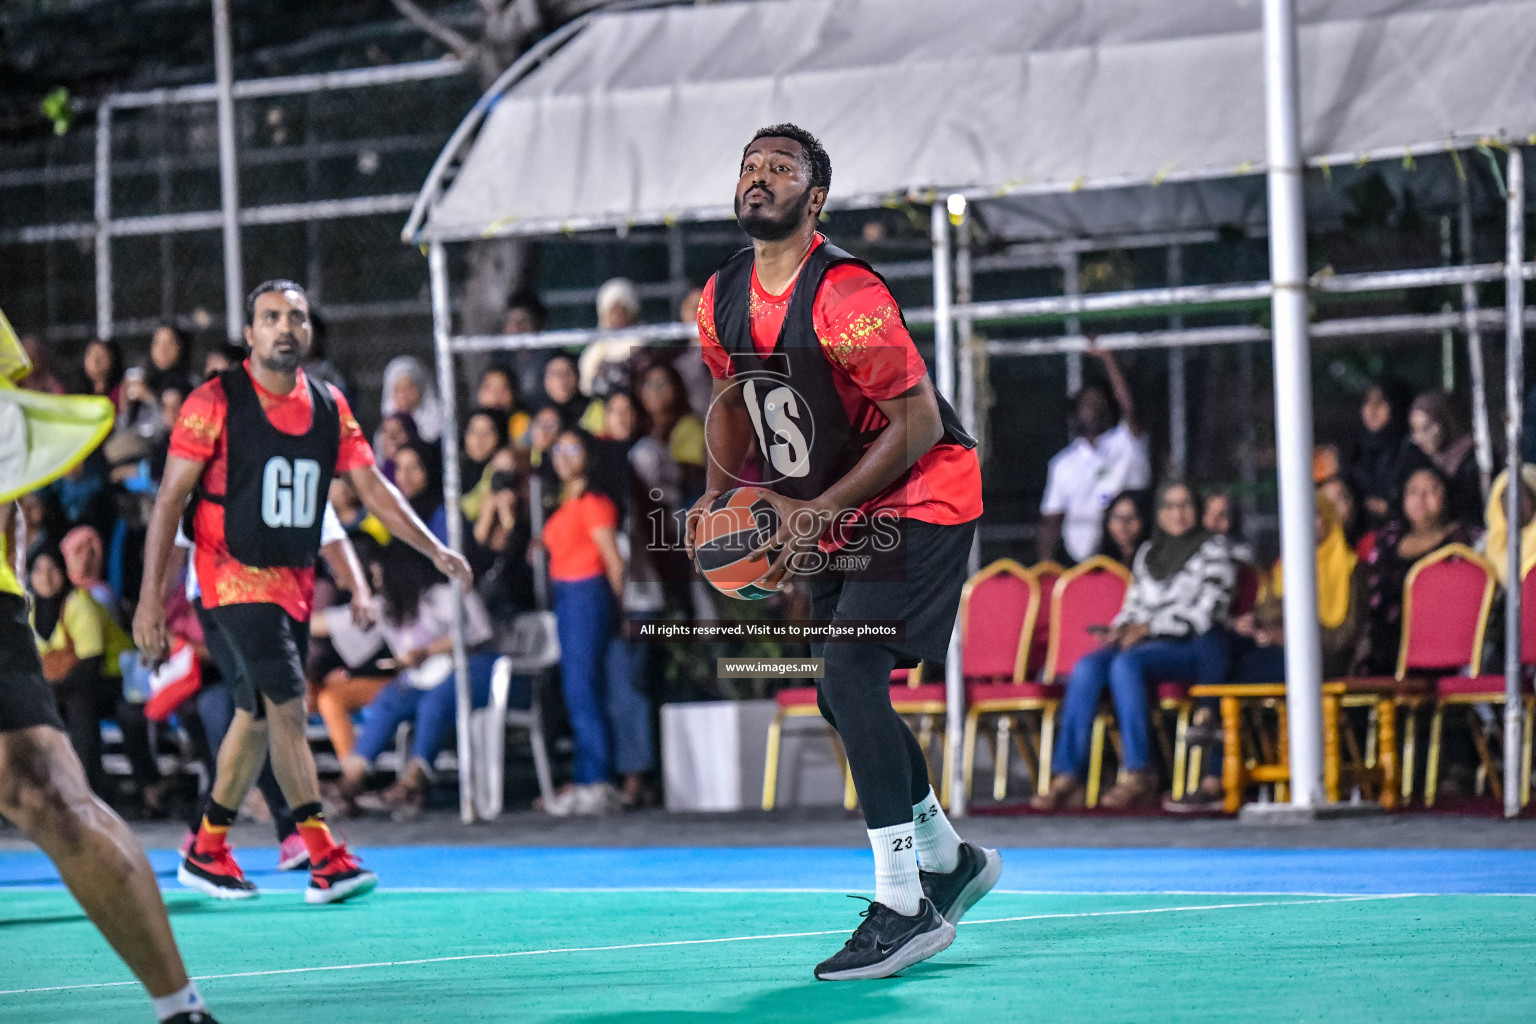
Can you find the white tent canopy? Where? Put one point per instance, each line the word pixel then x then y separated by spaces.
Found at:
pixel 639 116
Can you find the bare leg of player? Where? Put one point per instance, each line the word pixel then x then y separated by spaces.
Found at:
pixel 240 759
pixel 292 761
pixel 44 792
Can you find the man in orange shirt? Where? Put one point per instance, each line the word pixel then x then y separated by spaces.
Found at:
pixel 814 367
pixel 256 448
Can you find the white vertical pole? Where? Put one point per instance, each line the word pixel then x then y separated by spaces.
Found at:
pixel 944 371
pixel 229 173
pixel 965 292
pixel 1293 402
pixel 442 335
pixel 1514 396
pixel 1178 400
pixel 1071 286
pixel 1482 434
pixel 103 213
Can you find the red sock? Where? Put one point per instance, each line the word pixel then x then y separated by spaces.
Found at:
pixel 214 831
pixel 315 832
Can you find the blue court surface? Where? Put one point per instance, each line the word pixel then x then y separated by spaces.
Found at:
pixel 694 934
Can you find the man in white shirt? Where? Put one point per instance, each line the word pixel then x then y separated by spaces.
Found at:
pixel 1109 455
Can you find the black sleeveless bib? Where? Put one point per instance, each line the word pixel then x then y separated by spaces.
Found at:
pixel 803 434
pixel 275 490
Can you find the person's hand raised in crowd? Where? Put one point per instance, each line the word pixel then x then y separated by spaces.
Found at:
pixel 361 607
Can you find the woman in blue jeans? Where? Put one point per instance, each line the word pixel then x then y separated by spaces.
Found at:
pixel 417 624
pixel 1171 628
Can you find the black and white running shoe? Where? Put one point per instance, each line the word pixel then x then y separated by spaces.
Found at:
pixel 957 891
pixel 887 943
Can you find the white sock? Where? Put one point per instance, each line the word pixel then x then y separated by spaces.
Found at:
pixel 896 881
pixel 185 1000
pixel 938 844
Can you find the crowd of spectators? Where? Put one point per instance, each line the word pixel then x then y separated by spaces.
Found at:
pixel 1408 485
pixel 560 454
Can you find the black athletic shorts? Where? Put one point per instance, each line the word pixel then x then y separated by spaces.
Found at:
pixel 26 699
pixel 259 649
pixel 917 581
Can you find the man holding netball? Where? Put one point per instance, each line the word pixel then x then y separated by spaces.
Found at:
pixel 877 490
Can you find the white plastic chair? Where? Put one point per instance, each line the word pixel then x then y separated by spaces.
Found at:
pixel 530 647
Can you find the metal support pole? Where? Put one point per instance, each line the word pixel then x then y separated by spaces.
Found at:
pixel 1178 400
pixel 229 173
pixel 965 282
pixel 677 266
pixel 1514 397
pixel 1447 336
pixel 1293 402
pixel 103 211
pixel 944 371
pixel 1482 434
pixel 442 331
pixel 1071 287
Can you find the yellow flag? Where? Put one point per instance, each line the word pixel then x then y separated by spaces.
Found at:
pixel 14 363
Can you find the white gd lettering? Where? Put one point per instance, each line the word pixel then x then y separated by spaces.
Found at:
pixel 289 492
pixel 789 452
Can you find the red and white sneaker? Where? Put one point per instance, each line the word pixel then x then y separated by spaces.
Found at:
pixel 338 877
pixel 292 854
pixel 215 873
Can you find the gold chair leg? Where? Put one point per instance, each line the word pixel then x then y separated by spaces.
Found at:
pixel 1373 716
pixel 1410 752
pixel 1283 737
pixel 1048 741
pixel 1181 749
pixel 1525 757
pixel 1000 758
pixel 1096 759
pixel 1432 764
pixel 1386 754
pixel 1485 755
pixel 1232 753
pixel 1028 754
pixel 968 753
pixel 771 762
pixel 1331 749
pixel 1192 773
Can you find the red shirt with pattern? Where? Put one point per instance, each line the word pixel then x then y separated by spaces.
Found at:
pixel 872 359
pixel 199 436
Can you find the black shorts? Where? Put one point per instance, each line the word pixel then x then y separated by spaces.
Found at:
pixel 917 582
pixel 26 699
pixel 259 648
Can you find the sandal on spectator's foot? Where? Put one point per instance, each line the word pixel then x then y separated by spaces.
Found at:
pixel 1066 791
pixel 1197 801
pixel 1132 789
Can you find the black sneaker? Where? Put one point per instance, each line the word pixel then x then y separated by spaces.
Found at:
pixel 191 1017
pixel 888 942
pixel 957 891
pixel 215 873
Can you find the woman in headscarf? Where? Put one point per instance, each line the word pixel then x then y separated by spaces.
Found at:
pixel 394 433
pixel 1424 525
pixel 1496 541
pixel 408 389
pixel 1376 463
pixel 1170 628
pixel 485 434
pixel 562 393
pixel 1439 441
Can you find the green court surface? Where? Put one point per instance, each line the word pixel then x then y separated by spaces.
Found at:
pixel 747 956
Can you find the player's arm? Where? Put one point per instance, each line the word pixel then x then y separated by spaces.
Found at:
pixel 379 496
pixel 348 573
pixel 176 486
pixel 727 442
pixel 915 427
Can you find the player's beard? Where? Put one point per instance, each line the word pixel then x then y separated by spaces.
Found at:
pixel 285 360
pixel 765 227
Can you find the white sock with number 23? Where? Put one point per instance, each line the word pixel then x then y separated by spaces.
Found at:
pixel 896 881
pixel 938 844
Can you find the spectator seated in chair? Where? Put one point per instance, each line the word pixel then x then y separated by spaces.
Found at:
pixel 1170 628
pixel 416 624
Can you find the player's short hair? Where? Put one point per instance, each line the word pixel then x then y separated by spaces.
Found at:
pixel 815 154
pixel 277 284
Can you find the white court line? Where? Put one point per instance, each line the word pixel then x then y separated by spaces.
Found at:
pixel 697 942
